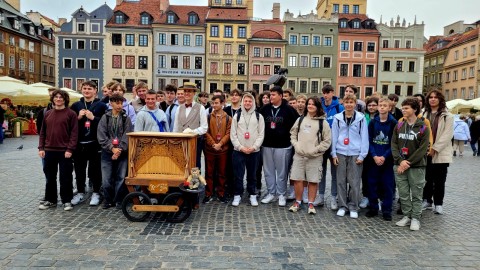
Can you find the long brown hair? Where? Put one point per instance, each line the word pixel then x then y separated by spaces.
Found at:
pixel 317 103
pixel 442 104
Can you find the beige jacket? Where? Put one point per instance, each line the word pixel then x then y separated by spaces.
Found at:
pixel 443 140
pixel 305 140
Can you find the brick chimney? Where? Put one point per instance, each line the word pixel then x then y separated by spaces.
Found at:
pixel 276 11
pixel 164 4
pixel 61 21
pixel 14 3
pixel 119 2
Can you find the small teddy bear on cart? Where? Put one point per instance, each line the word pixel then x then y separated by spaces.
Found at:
pixel 194 179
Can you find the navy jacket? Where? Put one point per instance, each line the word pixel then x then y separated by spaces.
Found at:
pixel 98 108
pixel 380 137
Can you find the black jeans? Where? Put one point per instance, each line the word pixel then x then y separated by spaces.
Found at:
pixel 55 160
pixel 83 155
pixel 250 163
pixel 435 178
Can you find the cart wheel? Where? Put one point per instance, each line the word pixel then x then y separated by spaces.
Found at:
pixel 184 207
pixel 135 198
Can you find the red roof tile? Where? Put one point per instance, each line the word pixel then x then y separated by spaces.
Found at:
pixel 227 14
pixel 349 17
pixel 467 36
pixel 267 34
pixel 183 11
pixel 134 10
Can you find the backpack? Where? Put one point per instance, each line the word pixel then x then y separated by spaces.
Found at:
pixel 422 129
pixel 239 112
pixel 208 119
pixel 320 128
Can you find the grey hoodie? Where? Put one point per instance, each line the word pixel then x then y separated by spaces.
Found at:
pixel 248 123
pixel 145 121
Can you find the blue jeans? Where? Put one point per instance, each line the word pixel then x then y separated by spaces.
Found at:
pixel 1 133
pixel 113 177
pixel 54 161
pixel 242 162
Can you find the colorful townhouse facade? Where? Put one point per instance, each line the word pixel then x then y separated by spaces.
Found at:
pixel 401 58
pixel 20 44
pixel 358 49
pixel 311 52
pixel 227 31
pixel 325 8
pixel 179 46
pixel 80 48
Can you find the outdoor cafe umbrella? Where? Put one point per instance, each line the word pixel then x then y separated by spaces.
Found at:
pixel 10 79
pixel 458 104
pixel 475 103
pixel 29 95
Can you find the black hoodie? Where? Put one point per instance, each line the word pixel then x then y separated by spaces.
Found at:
pixel 284 117
pixel 98 108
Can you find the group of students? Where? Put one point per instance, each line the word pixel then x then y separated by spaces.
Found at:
pixel 371 146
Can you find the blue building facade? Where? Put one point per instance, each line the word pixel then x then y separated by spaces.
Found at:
pixel 80 48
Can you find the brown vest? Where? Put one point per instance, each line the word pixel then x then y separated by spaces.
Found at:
pixel 193 119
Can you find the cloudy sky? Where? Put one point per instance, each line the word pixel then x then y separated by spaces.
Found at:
pixel 435 13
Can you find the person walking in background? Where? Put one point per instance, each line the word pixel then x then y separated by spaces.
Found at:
pixel 440 154
pixel 461 133
pixel 57 142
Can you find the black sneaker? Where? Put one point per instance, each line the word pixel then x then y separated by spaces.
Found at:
pixel 107 205
pixel 223 199
pixel 387 217
pixel 371 213
pixel 207 199
pixel 454 153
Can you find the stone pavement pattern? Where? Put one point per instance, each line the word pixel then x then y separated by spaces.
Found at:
pixel 222 236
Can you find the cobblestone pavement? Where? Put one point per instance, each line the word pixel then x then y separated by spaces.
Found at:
pixel 222 236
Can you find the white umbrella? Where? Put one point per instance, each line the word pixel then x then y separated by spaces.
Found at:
pixel 475 103
pixel 458 104
pixel 10 79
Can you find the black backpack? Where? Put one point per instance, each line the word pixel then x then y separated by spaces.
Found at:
pixel 239 112
pixel 320 128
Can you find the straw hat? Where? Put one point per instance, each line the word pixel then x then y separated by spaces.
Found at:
pixel 189 86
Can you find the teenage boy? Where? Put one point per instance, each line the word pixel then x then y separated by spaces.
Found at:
pixel 301 103
pixel 203 99
pixel 57 142
pixel 277 149
pixel 216 150
pixel 89 111
pixel 234 107
pixel 409 147
pixel 170 93
pixel 353 90
pixel 191 117
pixel 349 149
pixel 172 109
pixel 381 181
pixel 331 106
pixel 120 89
pixel 160 96
pixel 141 89
pixel 396 112
pixel 107 92
pixel 247 133
pixel 150 117
pixel 112 136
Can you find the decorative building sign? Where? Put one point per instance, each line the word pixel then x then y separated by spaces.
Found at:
pixel 180 72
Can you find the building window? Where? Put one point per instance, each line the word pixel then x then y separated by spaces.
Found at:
pixel 80 63
pixel 94 64
pixel 385 43
pixel 408 44
pixel 314 87
pixel 214 31
pixel 116 39
pixel 186 40
pixel 315 62
pixel 343 24
pixel 228 49
pixel 241 69
pixel 410 90
pixel 130 62
pixel 145 20
pixel 143 40
pixel 292 61
pixel 370 46
pixel 464 73
pixel 214 48
pixel 80 44
pixel 357 70
pixel 336 8
pixel 399 66
pixel 266 70
pixel 80 27
pixel 304 40
pixel 291 84
pixel 192 19
pixel 213 68
pixel 129 40
pixel 242 32
pixel 327 62
pixel 241 49
pixel 256 69
pixel 356 9
pixel 213 87
pixel 267 52
pixel 385 89
pixel 455 55
pixel 369 71
pixel 142 62
pixel 344 45
pixel 162 39
pixel 472 50
pixel 171 18
pixel 2 60
pixel 162 61
pixel 411 66
pixel 316 41
pixel 454 93
pixel 186 62
pixel 67 44
pixel 119 19
pixel 276 68
pixel 471 72
pixel 465 52
pixel 228 31
pixel 256 52
pixel 327 41
pixel 386 65
pixel 398 90
pixel 67 63
pixel 368 91
pixel 293 39
pixel 198 40
pixel 356 24
pixel 343 70
pixel 198 62
pixel 346 9
pixel 278 52
pixel 358 46
pixel 303 86
pixel 397 43
pixel 94 45
pixel 226 87
pixel 116 61
pixel 303 61
pixel 174 39
pixel 174 62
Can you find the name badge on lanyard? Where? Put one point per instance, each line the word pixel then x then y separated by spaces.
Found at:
pixel 87 124
pixel 115 142
pixel 273 125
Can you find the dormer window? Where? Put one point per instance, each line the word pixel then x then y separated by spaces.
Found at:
pixel 171 18
pixel 1 17
pixel 145 19
pixel 16 24
pixel 39 31
pixel 80 27
pixel 192 18
pixel 356 24
pixel 343 24
pixel 119 19
pixel 31 30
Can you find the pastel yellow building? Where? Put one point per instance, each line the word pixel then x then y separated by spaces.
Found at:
pixel 325 8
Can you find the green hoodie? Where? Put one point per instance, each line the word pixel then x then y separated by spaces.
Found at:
pixel 415 138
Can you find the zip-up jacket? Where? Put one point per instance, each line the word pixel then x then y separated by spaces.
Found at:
pixel 356 132
pixel 332 109
pixel 415 138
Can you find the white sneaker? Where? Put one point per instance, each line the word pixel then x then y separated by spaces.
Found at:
pixel 236 200
pixel 291 193
pixel 319 200
pixel 364 203
pixel 415 225
pixel 305 196
pixel 333 203
pixel 403 222
pixel 438 210
pixel 426 205
pixel 282 201
pixel 268 199
pixel 67 206
pixel 77 199
pixel 341 212
pixel 253 200
pixel 95 200
pixel 353 214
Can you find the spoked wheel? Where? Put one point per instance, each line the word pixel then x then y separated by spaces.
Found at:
pixel 135 198
pixel 184 207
